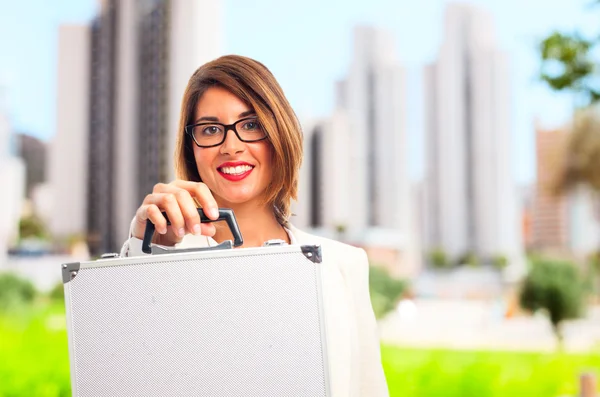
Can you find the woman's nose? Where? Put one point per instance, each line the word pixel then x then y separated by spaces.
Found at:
pixel 232 144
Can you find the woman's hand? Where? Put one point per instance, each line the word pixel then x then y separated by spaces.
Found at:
pixel 177 200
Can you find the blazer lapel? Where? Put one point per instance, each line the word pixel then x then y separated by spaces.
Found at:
pixel 338 323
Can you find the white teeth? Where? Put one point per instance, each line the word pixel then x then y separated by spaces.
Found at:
pixel 240 169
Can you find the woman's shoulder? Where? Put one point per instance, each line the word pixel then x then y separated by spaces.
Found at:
pixel 352 262
pixel 330 246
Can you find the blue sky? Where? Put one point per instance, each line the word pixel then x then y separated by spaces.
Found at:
pixel 307 44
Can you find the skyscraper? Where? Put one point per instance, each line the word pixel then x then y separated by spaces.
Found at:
pixel 354 182
pixel 142 52
pixel 68 153
pixel 33 152
pixel 549 212
pixel 326 176
pixel 584 221
pixel 471 198
pixel 12 180
pixel 101 139
pixel 372 96
pixel 562 221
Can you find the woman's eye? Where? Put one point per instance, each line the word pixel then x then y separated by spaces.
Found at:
pixel 251 125
pixel 211 130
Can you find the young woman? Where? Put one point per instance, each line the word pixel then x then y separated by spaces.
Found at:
pixel 240 146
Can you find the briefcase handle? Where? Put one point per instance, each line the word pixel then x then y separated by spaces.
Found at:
pixel 225 214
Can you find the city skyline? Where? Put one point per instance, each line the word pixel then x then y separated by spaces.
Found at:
pixel 471 198
pixel 141 59
pixel 306 65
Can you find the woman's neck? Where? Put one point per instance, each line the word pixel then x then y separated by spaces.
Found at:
pixel 257 225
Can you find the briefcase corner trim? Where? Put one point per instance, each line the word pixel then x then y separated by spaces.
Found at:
pixel 69 271
pixel 312 253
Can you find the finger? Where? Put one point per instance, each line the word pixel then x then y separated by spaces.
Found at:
pixel 203 196
pixel 149 212
pixel 157 218
pixel 164 235
pixel 168 202
pixel 189 211
pixel 162 188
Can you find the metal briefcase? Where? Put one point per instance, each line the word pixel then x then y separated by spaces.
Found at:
pixel 208 322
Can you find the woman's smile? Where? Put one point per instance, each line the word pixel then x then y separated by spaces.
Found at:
pixel 235 170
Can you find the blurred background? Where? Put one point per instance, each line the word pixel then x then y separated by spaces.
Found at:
pixel 458 143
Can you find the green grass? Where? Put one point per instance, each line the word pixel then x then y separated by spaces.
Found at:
pixel 34 357
pixel 34 362
pixel 450 373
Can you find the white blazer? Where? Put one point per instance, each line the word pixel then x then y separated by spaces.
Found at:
pixel 352 337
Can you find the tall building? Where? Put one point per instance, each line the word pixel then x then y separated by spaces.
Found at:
pixel 372 96
pixel 33 152
pixel 471 197
pixel 325 175
pixel 566 222
pixel 101 157
pixel 354 182
pixel 12 180
pixel 127 129
pixel 550 210
pixel 67 161
pixel 584 222
pixel 153 160
pixel 142 55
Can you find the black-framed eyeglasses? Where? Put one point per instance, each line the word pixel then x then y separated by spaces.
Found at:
pixel 211 134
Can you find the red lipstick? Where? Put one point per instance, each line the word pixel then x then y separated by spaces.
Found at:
pixel 234 177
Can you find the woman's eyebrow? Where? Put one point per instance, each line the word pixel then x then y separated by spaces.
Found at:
pixel 247 113
pixel 207 118
pixel 216 119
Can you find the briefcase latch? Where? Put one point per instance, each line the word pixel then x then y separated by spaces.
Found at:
pixel 274 242
pixel 159 249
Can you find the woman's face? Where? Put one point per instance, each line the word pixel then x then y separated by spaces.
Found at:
pixel 236 172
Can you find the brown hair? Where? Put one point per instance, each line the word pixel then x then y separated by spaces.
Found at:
pixel 253 83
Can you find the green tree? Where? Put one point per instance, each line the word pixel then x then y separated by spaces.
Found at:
pixel 568 66
pixel 469 258
pixel 499 261
pixel 340 230
pixel 15 292
pixel 385 290
pixel 593 262
pixel 583 154
pixel 32 227
pixel 556 288
pixel 57 293
pixel 438 258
